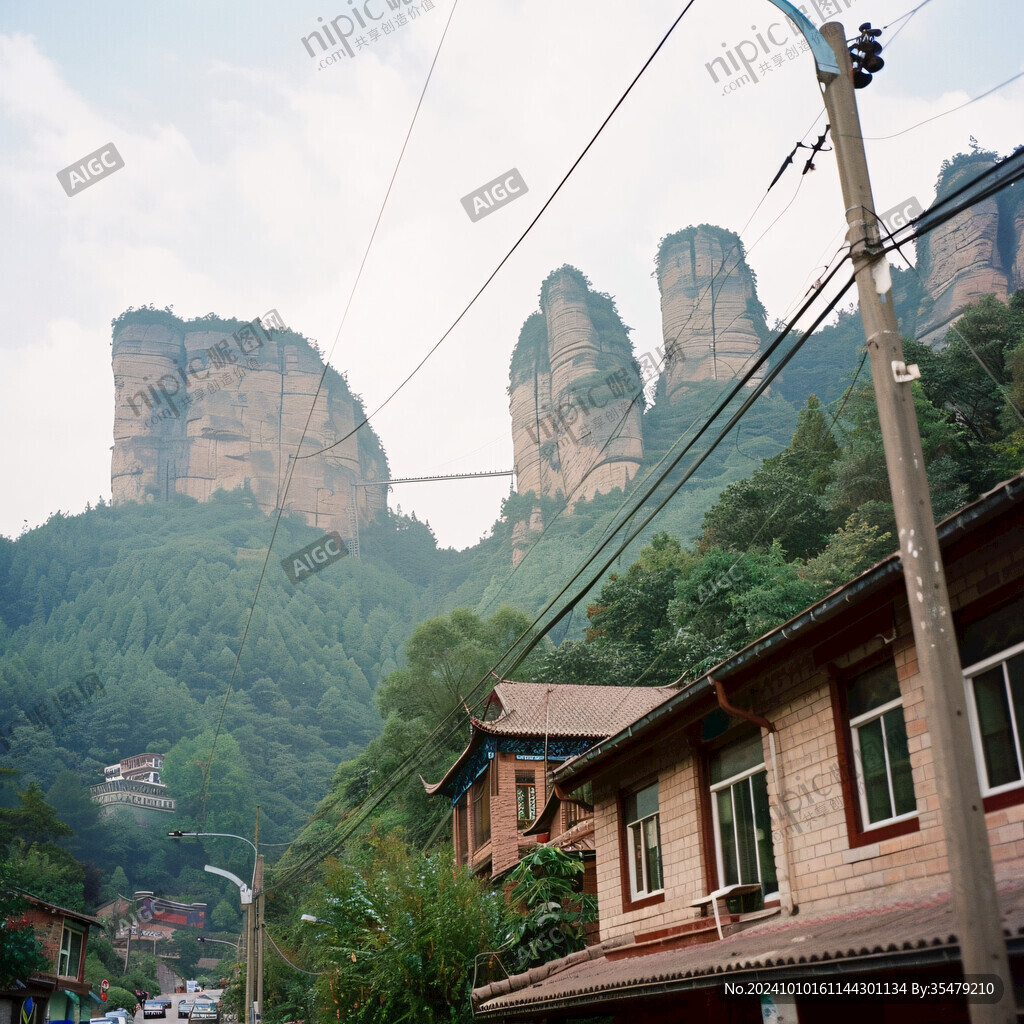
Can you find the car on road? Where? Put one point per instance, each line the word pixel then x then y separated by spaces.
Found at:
pixel 184 1007
pixel 154 1008
pixel 166 1000
pixel 204 1009
pixel 120 1016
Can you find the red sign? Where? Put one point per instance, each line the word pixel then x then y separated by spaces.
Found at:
pixel 103 996
pixel 104 985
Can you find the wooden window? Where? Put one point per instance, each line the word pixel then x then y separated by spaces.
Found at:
pixel 481 810
pixel 526 798
pixel 462 831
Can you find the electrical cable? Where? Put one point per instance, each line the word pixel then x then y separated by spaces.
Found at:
pixel 529 638
pixel 293 460
pixel 952 110
pixel 374 799
pixel 516 244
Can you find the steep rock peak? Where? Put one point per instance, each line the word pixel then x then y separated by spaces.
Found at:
pixel 207 404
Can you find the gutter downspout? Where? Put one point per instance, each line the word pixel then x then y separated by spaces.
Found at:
pixel 785 881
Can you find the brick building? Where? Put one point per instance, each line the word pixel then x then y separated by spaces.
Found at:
pixel 499 782
pixel 776 820
pixel 59 992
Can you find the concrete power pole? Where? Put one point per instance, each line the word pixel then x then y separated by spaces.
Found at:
pixel 978 922
pixel 250 967
pixel 258 903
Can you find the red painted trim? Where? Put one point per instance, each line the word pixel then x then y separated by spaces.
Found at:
pixel 1009 798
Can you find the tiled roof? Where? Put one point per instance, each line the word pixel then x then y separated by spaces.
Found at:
pixel 563 710
pixel 569 709
pixel 812 946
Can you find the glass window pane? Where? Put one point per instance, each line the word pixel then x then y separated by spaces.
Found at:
pixel 995 726
pixel 873 688
pixel 747 848
pixel 1015 673
pixel 735 758
pixel 899 761
pixel 872 766
pixel 652 852
pixel 76 954
pixel 762 819
pixel 645 802
pixel 994 633
pixel 638 858
pixel 723 800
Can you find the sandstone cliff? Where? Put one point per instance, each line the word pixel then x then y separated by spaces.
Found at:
pixel 575 394
pixel 978 252
pixel 213 404
pixel 712 322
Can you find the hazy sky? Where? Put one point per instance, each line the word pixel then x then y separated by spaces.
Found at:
pixel 253 177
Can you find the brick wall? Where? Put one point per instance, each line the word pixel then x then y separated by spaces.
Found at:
pixel 827 870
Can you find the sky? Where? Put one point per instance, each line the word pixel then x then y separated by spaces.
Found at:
pixel 254 174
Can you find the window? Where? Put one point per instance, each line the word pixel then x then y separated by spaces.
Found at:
pixel 878 731
pixel 526 798
pixel 481 810
pixel 462 831
pixel 739 808
pixel 993 656
pixel 643 831
pixel 70 956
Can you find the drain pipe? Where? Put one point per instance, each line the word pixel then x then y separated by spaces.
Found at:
pixel 785 881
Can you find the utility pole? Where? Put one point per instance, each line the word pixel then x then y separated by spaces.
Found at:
pixel 250 917
pixel 975 903
pixel 258 889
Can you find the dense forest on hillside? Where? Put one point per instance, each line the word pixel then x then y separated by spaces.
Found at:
pixel 338 687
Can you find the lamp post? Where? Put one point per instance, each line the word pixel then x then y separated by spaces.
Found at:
pixel 972 879
pixel 252 898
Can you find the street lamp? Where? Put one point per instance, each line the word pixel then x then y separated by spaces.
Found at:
pixel 178 834
pixel 254 925
pixel 244 891
pixel 220 942
pixel 311 918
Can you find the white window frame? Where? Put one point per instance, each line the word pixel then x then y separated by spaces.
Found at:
pixel 746 774
pixel 862 788
pixel 64 954
pixel 970 672
pixel 634 835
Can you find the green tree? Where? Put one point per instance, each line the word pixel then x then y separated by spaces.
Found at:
pixel 784 500
pixel 547 891
pixel 20 950
pixel 403 932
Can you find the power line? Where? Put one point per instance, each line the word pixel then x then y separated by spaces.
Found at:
pixel 515 245
pixel 312 407
pixel 528 639
pixel 952 110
